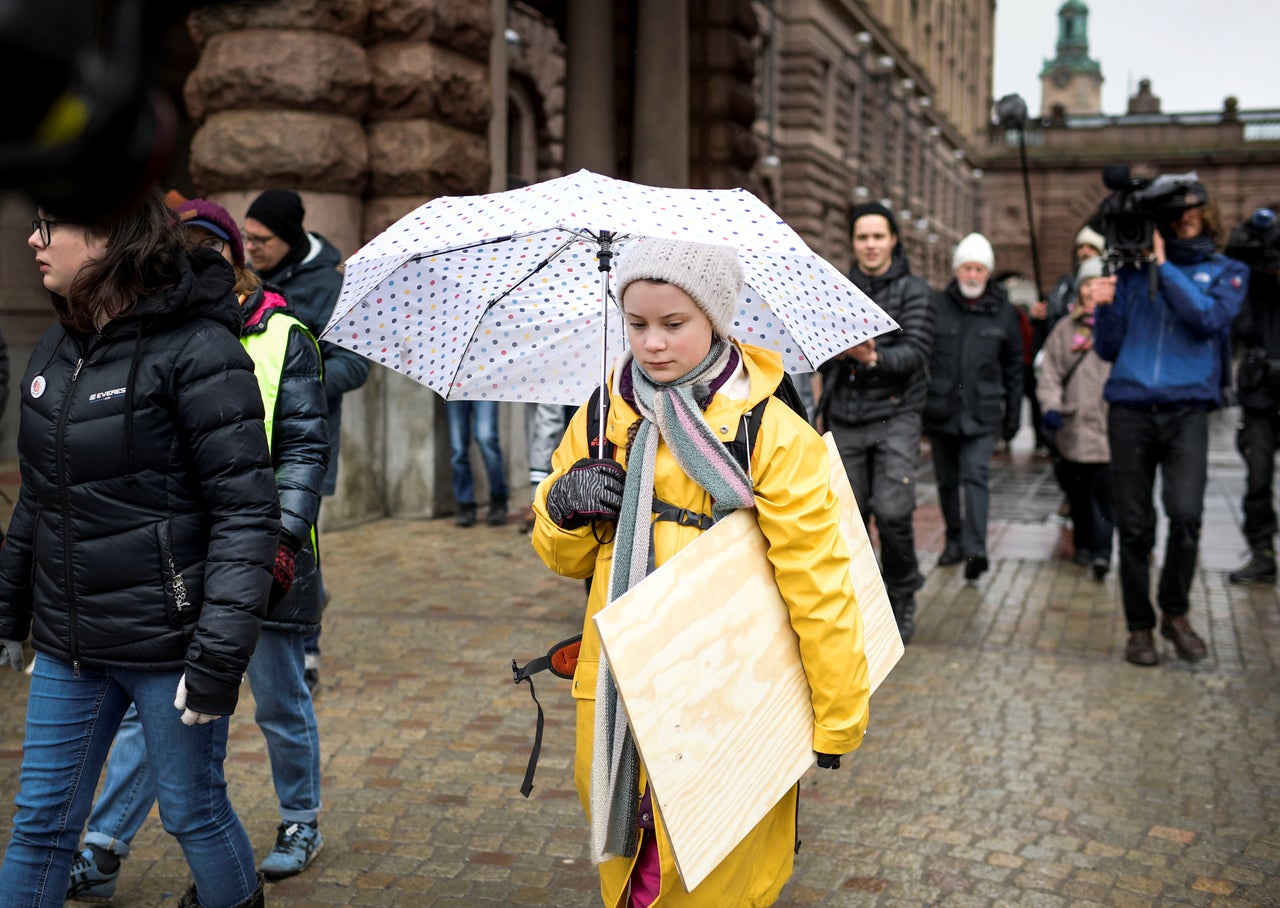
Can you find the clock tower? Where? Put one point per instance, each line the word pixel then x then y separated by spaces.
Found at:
pixel 1071 80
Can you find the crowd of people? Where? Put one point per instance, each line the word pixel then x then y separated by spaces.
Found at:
pixel 182 413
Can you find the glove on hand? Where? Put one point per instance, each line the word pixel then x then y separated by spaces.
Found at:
pixel 11 654
pixel 189 716
pixel 590 490
pixel 1052 420
pixel 1010 430
pixel 828 761
pixel 282 573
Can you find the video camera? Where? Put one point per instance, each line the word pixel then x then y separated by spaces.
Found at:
pixel 1130 216
pixel 1256 242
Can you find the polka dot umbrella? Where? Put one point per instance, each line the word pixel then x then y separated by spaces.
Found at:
pixel 502 296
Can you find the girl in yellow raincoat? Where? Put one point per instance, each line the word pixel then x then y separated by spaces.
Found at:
pixel 677 397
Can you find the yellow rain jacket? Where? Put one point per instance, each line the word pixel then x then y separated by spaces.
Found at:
pixel 798 513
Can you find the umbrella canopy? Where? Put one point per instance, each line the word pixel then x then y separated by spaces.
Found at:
pixel 503 296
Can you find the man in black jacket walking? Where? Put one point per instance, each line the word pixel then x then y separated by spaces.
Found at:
pixel 1256 242
pixel 975 396
pixel 871 401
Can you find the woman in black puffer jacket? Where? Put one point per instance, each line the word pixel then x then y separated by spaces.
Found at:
pixel 140 552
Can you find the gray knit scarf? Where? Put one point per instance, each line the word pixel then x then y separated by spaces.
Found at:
pixel 671 412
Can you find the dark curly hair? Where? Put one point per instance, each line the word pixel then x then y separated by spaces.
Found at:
pixel 144 253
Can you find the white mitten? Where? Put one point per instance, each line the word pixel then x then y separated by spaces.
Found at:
pixel 189 716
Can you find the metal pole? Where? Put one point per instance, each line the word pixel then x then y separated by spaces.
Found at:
pixel 605 255
pixel 1031 224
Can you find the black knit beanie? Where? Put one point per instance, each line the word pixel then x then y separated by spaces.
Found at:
pixel 868 208
pixel 281 212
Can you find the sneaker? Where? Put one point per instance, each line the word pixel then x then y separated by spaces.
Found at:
pixel 1260 568
pixel 297 845
pixel 89 883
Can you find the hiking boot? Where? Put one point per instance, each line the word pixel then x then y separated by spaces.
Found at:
pixel 950 555
pixel 1141 648
pixel 904 613
pixel 466 516
pixel 297 845
pixel 497 515
pixel 89 881
pixel 975 567
pixel 1260 568
pixel 1186 642
pixel 255 899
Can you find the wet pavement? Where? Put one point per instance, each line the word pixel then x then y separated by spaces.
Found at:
pixel 1013 758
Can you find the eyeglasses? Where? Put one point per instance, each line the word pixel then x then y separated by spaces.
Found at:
pixel 44 227
pixel 216 243
pixel 251 240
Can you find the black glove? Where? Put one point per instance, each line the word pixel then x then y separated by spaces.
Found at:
pixel 590 490
pixel 1052 420
pixel 828 761
pixel 1010 430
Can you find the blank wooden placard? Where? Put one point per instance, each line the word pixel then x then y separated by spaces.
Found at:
pixel 708 670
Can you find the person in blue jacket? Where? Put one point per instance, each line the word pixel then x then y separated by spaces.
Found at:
pixel 1170 355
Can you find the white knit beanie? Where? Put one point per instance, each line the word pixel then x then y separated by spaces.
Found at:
pixel 1089 269
pixel 711 274
pixel 1090 237
pixel 974 248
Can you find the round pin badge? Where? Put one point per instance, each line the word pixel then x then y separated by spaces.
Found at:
pixel 38 384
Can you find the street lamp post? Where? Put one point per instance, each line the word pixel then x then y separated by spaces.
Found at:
pixel 1011 113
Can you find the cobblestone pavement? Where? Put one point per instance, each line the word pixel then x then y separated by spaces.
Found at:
pixel 1013 758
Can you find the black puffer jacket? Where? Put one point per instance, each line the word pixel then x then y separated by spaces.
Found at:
pixel 975 374
pixel 299 447
pixel 147 522
pixel 854 395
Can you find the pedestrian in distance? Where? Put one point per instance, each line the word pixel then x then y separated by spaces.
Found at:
pixel 1170 356
pixel 287 366
pixel 1070 386
pixel 676 396
pixel 140 553
pixel 1256 243
pixel 303 266
pixel 975 396
pixel 478 420
pixel 872 398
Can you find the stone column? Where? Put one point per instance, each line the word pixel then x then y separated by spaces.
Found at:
pixel 723 105
pixel 591 114
pixel 280 91
pixel 660 134
pixel 428 128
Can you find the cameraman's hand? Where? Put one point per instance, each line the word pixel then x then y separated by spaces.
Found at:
pixel 590 490
pixel 1157 247
pixel 11 654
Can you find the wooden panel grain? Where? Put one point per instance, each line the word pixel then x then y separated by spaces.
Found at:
pixel 708 670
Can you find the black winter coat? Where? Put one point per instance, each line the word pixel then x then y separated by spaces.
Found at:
pixel 975 374
pixel 855 395
pixel 147 522
pixel 299 454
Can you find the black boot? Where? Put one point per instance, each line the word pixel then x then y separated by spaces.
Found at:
pixel 466 516
pixel 497 515
pixel 904 613
pixel 255 899
pixel 1260 568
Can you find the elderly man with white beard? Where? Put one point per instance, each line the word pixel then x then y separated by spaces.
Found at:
pixel 975 396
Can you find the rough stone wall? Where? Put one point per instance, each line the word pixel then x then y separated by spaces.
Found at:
pixel 722 98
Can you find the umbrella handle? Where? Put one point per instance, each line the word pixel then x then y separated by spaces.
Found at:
pixel 605 255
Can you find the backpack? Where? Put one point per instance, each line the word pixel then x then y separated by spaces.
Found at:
pixel 562 658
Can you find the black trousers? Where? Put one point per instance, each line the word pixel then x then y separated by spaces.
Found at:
pixel 1175 442
pixel 1256 438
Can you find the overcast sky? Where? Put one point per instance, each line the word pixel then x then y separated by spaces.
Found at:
pixel 1195 53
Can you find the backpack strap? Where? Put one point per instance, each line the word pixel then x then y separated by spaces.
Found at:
pixel 561 660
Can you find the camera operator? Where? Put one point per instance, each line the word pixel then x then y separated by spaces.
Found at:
pixel 1256 242
pixel 1166 332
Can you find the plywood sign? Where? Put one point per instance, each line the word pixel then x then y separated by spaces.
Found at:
pixel 708 670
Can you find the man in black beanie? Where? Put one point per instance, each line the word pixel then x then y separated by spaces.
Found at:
pixel 872 398
pixel 304 267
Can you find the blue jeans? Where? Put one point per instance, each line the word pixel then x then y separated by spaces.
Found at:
pixel 284 713
pixel 478 418
pixel 71 722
